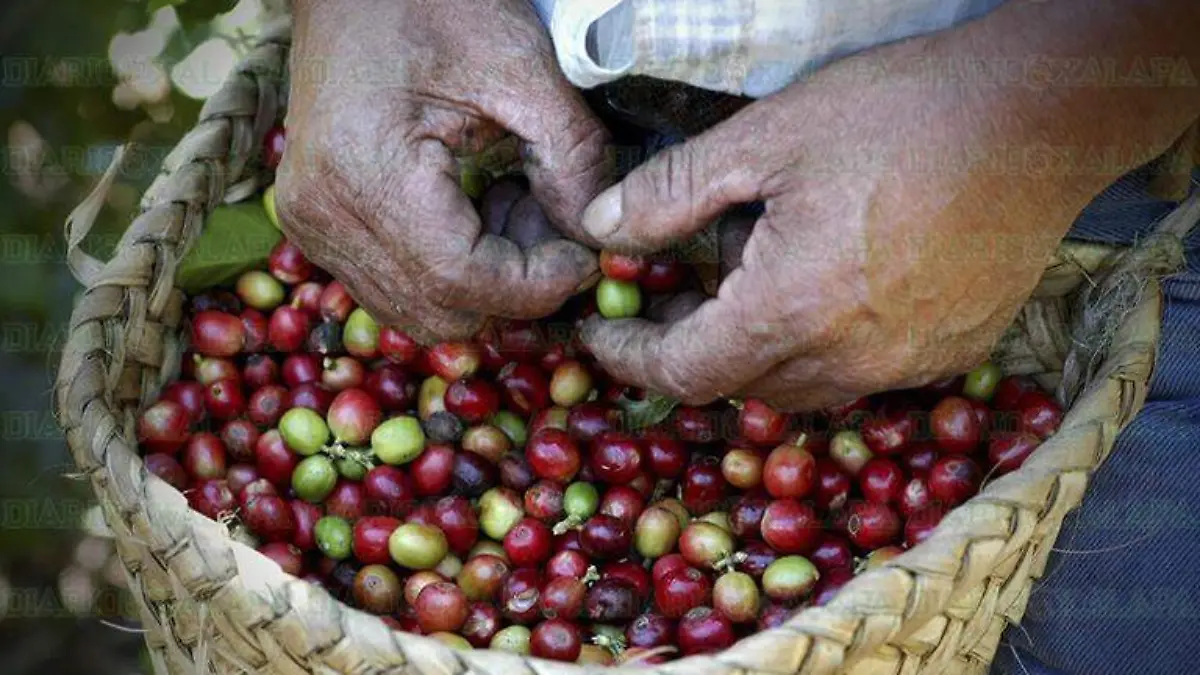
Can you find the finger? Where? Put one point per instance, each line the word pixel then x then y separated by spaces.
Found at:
pixel 544 275
pixel 797 385
pixel 712 352
pixel 498 201
pixel 678 191
pixel 566 171
pixel 527 224
pixel 363 263
pixel 437 230
pixel 856 367
pixel 421 320
pixel 734 232
pixel 672 308
pixel 564 147
pixel 363 274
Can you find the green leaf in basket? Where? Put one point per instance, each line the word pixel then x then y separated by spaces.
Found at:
pixel 647 412
pixel 236 238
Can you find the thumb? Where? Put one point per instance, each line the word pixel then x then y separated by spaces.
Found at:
pixel 677 192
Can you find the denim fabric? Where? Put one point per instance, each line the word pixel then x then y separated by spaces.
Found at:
pixel 1122 595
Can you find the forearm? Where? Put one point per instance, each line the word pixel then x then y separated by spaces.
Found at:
pixel 1080 91
pixel 1120 77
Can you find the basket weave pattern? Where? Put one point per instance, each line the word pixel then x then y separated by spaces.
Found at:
pixel 210 604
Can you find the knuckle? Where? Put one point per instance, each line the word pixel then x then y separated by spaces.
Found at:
pixel 677 176
pixel 536 305
pixel 334 254
pixel 307 215
pixel 582 139
pixel 296 182
pixel 666 179
pixel 290 203
pixel 970 357
pixel 586 150
pixel 887 373
pixel 455 328
pixel 670 384
pixel 569 169
pixel 365 293
pixel 381 310
pixel 678 379
pixel 444 283
pixel 800 399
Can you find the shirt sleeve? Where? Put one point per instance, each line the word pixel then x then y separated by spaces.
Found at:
pixel 747 47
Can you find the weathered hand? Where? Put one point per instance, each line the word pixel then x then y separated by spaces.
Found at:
pixel 383 94
pixel 907 217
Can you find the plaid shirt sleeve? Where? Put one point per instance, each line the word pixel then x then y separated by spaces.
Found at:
pixel 747 47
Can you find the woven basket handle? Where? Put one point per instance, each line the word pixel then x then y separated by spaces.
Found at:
pixel 84 267
pixel 229 155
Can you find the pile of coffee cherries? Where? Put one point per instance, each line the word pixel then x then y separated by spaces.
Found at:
pixel 493 493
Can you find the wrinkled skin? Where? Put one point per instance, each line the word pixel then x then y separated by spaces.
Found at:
pixel 384 95
pixel 907 217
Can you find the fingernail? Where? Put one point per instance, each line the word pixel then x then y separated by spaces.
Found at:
pixel 603 215
pixel 591 280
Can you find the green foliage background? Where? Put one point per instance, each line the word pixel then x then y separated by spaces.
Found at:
pixel 60 611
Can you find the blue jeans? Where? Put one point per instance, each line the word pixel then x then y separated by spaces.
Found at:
pixel 1122 594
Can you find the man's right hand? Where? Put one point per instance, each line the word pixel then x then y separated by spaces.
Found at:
pixel 384 93
pixel 906 217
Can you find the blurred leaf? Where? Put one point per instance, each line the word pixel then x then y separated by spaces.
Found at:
pixel 195 11
pixel 472 179
pixel 155 5
pixel 647 412
pixel 190 34
pixel 236 238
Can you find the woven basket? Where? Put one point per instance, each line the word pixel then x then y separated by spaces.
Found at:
pixel 210 604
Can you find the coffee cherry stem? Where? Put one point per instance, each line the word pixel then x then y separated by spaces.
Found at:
pixel 339 450
pixel 361 456
pixel 580 500
pixel 336 449
pixel 591 576
pixel 730 561
pixel 661 489
pixel 613 641
pixel 566 525
pixel 239 532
